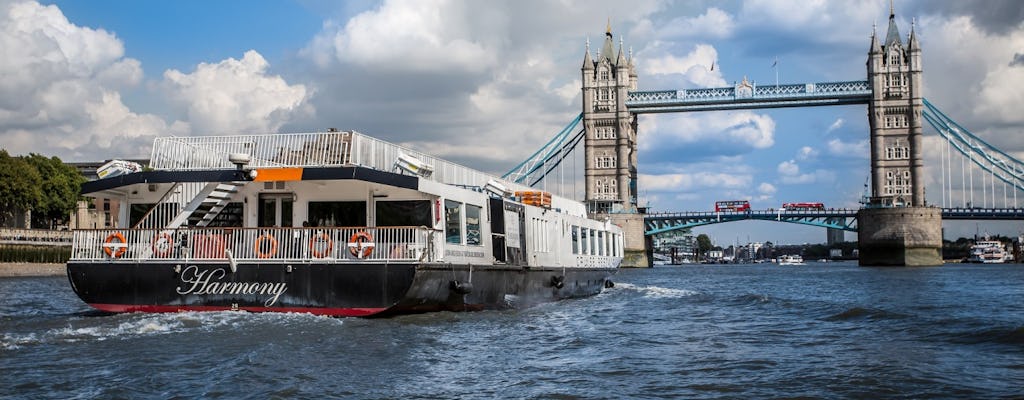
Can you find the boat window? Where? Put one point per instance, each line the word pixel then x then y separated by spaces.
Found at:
pixel 403 213
pixel 337 213
pixel 453 221
pixel 593 242
pixel 575 239
pixel 472 224
pixel 600 243
pixel 583 233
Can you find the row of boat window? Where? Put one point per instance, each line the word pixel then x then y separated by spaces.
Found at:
pixel 588 241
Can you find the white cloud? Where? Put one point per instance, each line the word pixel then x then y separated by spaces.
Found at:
pixel 788 168
pixel 806 153
pixel 235 96
pixel 694 66
pixel 713 23
pixel 858 149
pixel 839 122
pixel 789 173
pixel 429 35
pixel 742 130
pixel 685 182
pixel 59 92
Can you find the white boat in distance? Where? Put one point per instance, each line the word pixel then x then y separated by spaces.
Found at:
pixel 987 252
pixel 794 259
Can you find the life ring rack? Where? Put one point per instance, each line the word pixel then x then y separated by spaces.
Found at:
pixel 109 245
pixel 360 245
pixel 321 237
pixel 259 245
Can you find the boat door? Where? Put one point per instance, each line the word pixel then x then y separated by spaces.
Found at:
pixel 275 209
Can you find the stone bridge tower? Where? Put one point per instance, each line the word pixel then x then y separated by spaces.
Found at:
pixel 894 115
pixel 610 145
pixel 896 227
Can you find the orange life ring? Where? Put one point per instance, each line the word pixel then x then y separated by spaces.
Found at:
pixel 121 246
pixel 273 246
pixel 322 237
pixel 166 244
pixel 360 245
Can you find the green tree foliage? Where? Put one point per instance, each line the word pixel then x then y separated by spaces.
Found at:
pixel 60 190
pixel 703 243
pixel 21 186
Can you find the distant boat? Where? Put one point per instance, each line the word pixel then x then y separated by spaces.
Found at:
pixel 794 259
pixel 987 252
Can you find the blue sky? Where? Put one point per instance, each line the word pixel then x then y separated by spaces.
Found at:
pixel 485 83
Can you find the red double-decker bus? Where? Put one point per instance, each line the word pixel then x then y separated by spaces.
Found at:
pixel 803 206
pixel 732 206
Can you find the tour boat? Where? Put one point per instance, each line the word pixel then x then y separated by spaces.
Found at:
pixel 791 259
pixel 987 252
pixel 332 223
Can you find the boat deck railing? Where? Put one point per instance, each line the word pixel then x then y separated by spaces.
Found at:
pixel 322 149
pixel 321 244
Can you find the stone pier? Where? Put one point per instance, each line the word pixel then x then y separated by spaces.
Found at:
pixel 900 236
pixel 635 244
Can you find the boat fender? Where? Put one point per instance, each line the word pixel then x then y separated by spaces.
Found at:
pixel 558 281
pixel 460 287
pixel 231 261
pixel 608 284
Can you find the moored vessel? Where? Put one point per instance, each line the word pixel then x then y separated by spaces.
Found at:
pixel 333 223
pixel 987 252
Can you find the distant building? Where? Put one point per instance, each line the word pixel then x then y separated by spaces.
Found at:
pixel 96 214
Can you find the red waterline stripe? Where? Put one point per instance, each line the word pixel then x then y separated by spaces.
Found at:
pixel 334 312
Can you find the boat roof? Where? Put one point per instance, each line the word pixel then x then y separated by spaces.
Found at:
pixel 235 175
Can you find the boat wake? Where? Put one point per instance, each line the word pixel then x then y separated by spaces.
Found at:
pixel 655 292
pixel 122 326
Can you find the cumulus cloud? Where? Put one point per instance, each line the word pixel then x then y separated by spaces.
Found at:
pixel 858 149
pixel 409 36
pixel 234 96
pixel 59 94
pixel 714 23
pixel 689 181
pixel 716 134
pixel 839 122
pixel 695 66
pixel 789 173
pixel 806 153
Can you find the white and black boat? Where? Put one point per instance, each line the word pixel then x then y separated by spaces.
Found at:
pixel 333 223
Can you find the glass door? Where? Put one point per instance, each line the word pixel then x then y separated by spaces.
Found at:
pixel 275 209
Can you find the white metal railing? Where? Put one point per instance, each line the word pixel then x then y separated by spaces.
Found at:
pixel 265 151
pixel 349 244
pixel 323 149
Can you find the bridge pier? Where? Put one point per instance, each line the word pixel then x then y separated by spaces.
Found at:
pixel 900 236
pixel 636 245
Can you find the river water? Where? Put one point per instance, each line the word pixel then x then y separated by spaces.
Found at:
pixel 830 330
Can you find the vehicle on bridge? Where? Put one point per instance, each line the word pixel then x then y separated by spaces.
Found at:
pixel 803 206
pixel 732 206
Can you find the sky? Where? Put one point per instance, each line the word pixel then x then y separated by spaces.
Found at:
pixel 484 84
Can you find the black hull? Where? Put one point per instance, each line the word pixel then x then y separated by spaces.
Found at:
pixel 325 289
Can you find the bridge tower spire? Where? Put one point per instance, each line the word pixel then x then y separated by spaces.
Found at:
pixel 894 116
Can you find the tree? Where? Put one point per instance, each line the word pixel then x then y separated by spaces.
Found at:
pixel 703 244
pixel 20 190
pixel 60 188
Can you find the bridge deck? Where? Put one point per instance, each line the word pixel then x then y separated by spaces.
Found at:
pixel 746 95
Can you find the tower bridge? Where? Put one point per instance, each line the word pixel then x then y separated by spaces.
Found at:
pixel 895 226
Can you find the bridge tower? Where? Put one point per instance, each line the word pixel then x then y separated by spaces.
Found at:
pixel 610 145
pixel 896 227
pixel 894 116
